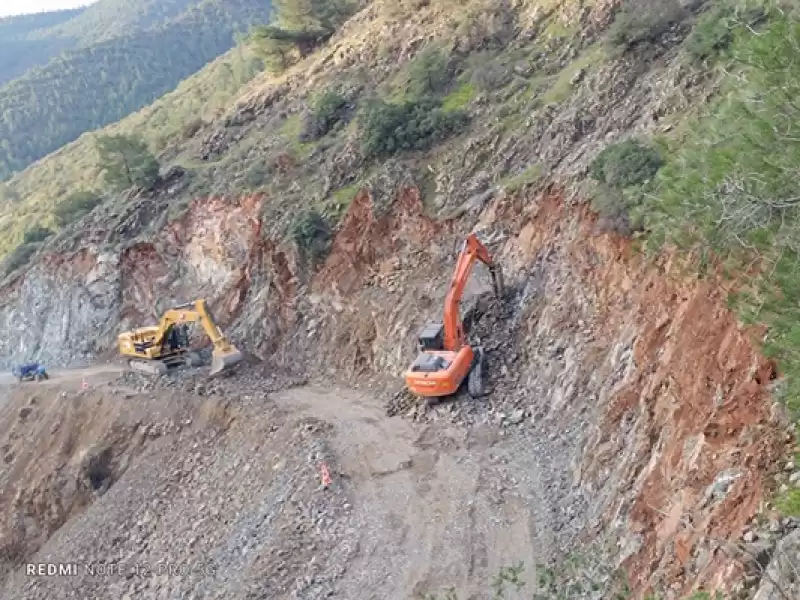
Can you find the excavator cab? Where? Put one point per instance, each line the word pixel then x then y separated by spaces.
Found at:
pixel 431 337
pixel 445 359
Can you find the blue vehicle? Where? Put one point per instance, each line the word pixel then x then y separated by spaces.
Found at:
pixel 30 372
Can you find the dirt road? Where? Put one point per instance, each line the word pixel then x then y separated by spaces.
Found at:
pixel 436 506
pixel 65 377
pixel 413 509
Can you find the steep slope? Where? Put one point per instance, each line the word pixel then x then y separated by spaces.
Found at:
pixel 626 374
pixel 102 80
pixel 31 196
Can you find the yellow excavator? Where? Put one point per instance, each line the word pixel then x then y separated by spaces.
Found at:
pixel 156 349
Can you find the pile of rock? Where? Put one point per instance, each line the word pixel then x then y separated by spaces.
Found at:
pixel 770 551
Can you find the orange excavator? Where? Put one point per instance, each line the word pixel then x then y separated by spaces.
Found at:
pixel 446 358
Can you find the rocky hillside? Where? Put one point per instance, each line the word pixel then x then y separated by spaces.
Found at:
pixel 321 214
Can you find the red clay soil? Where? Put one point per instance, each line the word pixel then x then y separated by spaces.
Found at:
pixel 699 395
pixel 365 239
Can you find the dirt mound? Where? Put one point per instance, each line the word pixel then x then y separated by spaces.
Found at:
pixel 61 451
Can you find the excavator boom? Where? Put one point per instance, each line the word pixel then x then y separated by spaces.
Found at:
pixel 471 251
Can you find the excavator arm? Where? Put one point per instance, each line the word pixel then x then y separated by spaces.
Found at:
pixel 192 312
pixel 225 353
pixel 445 357
pixel 471 251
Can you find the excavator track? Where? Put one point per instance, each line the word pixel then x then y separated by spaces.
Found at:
pixel 476 381
pixel 150 367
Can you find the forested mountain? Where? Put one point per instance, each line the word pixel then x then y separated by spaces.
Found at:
pixel 25 41
pixel 109 60
pixel 108 19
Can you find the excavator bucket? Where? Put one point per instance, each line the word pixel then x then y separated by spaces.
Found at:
pixel 224 359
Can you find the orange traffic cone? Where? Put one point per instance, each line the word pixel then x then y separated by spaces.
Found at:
pixel 326 476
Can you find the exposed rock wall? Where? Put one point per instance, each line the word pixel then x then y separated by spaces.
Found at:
pixel 72 305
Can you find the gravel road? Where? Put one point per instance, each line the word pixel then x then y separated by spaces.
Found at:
pixel 228 488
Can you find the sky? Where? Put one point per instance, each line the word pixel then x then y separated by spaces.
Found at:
pixel 19 7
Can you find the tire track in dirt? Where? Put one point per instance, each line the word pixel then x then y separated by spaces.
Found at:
pixel 436 506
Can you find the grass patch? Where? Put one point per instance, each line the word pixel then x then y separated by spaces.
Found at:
pixel 292 129
pixel 339 201
pixel 346 194
pixel 789 503
pixel 459 98
pixel 557 29
pixel 515 183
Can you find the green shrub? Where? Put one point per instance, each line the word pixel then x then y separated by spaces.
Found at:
pixel 126 162
pixel 615 210
pixel 191 128
pixel 625 164
pixel 75 206
pixel 256 175
pixel 644 21
pixel 391 128
pixel 36 234
pixel 327 110
pixel 429 73
pixel 312 234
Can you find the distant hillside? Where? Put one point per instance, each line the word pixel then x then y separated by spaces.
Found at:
pixel 31 195
pixel 25 41
pixel 147 48
pixel 108 19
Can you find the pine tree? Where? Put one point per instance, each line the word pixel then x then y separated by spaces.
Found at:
pixel 127 162
pixel 298 27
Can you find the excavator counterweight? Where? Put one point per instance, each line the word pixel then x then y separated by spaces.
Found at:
pixel 158 348
pixel 446 359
